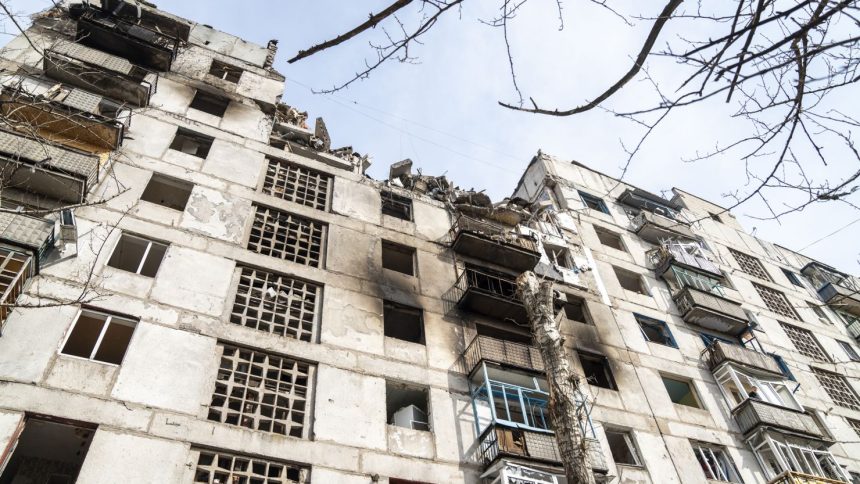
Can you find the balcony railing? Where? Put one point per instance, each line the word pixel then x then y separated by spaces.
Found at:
pixel 488 293
pixel 791 477
pixel 150 18
pixel 752 414
pixel 710 311
pixel 658 229
pixel 494 243
pixel 141 45
pixel 31 233
pixel 846 299
pixel 504 352
pixel 98 72
pixel 666 255
pixel 720 352
pixel 15 269
pixel 499 441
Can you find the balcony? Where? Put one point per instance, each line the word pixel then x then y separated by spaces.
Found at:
pixel 150 18
pixel 494 243
pixel 489 293
pixel 845 299
pixel 143 46
pixel 791 477
pixel 752 414
pixel 720 352
pixel 665 256
pixel 657 229
pixel 854 329
pixel 484 348
pixel 638 198
pixel 98 72
pixel 67 175
pixel 33 234
pixel 15 269
pixel 500 441
pixel 711 311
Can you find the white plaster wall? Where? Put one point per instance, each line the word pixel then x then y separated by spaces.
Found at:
pixel 132 459
pixel 31 339
pixel 193 280
pixel 349 400
pixel 217 214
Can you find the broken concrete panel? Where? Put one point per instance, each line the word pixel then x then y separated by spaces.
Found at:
pixel 9 422
pixel 247 121
pixel 432 222
pixel 132 459
pixel 357 201
pixel 260 88
pixel 193 280
pixel 172 96
pixel 30 340
pixel 148 373
pixel 78 375
pixel 234 163
pixel 354 253
pixel 415 443
pixel 353 320
pixel 149 136
pixel 345 399
pixel 217 214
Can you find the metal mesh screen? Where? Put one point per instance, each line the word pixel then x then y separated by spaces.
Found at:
pixel 297 184
pixel 805 342
pixel 276 304
pixel 776 301
pixel 838 389
pixel 222 468
pixel 750 265
pixel 287 236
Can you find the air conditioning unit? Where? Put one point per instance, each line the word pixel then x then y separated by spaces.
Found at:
pixel 411 417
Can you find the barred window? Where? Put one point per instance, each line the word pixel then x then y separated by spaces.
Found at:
pixel 750 265
pixel 837 388
pixel 776 301
pixel 855 424
pixel 277 304
pixel 297 184
pixel 805 342
pixel 287 236
pixel 217 467
pixel 261 391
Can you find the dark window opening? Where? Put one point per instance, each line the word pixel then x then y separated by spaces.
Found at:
pixel 225 71
pixel 189 142
pixel 849 350
pixel 622 447
pixel 594 203
pixel 99 337
pixel 630 281
pixel 396 206
pixel 138 255
pixel 398 258
pixel 575 310
pixel 597 370
pixel 655 331
pixel 210 103
pixel 167 192
pixel 503 334
pixel 609 238
pixel 403 322
pixel 792 277
pixel 559 256
pixel 407 406
pixel 715 217
pixel 47 452
pixel 681 392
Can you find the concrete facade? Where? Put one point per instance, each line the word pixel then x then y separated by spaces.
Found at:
pixel 285 317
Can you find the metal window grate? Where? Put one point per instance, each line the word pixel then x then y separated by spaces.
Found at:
pixel 855 424
pixel 262 392
pixel 750 265
pixel 287 236
pixel 216 467
pixel 805 342
pixel 297 184
pixel 776 301
pixel 276 304
pixel 837 388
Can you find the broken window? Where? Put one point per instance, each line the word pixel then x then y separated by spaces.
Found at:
pixel 609 238
pixel 407 406
pixel 792 277
pixel 594 203
pixel 276 304
pixel 403 322
pixel 630 281
pixel 297 184
pixel 262 391
pixel 655 331
pixel 622 447
pixel 398 258
pixel 396 205
pixel 46 451
pixel 849 350
pixel 597 371
pixel 837 388
pixel 192 143
pixel 15 269
pixel 559 256
pixel 751 265
pixel 287 236
pixel 575 309
pixel 219 467
pixel 167 191
pixel 805 342
pixel 225 71
pixel 715 463
pixel 209 103
pixel 138 255
pixel 681 392
pixel 99 336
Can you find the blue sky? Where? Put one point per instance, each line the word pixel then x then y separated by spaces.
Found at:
pixel 442 112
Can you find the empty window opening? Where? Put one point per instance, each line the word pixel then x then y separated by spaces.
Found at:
pixel 849 350
pixel 297 184
pixel 575 309
pixel 609 238
pixel 504 334
pixel 715 217
pixel 597 370
pixel 217 467
pixel 396 205
pixel 167 191
pixel 262 391
pixel 622 447
pixel 403 322
pixel 287 236
pixel 630 281
pixel 681 392
pixel 225 71
pixel 209 103
pixel 655 331
pixel 407 406
pixel 138 255
pixel 594 203
pixel 792 277
pixel 99 337
pixel 559 256
pixel 276 304
pixel 715 463
pixel 191 143
pixel 47 452
pixel 398 258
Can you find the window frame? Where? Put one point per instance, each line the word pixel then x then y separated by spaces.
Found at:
pixel 792 277
pixel 109 316
pixel 605 367
pixel 143 258
pixel 632 448
pixel 640 319
pixel 725 464
pixel 849 350
pixel 690 384
pixel 559 256
pixel 769 389
pixel 586 197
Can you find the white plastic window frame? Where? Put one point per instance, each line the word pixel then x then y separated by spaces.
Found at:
pixel 802 459
pixel 107 321
pixel 768 389
pixel 145 252
pixel 725 471
pixel 631 447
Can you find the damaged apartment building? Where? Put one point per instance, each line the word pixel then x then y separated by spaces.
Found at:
pixel 197 287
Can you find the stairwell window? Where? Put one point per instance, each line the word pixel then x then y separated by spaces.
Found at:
pixel 99 336
pixel 138 255
pixel 715 463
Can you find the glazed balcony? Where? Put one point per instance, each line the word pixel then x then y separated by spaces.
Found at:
pixel 657 228
pixel 100 73
pixel 791 477
pixel 667 255
pixel 489 293
pixel 711 311
pixel 494 243
pixel 16 268
pixel 508 353
pixel 500 441
pixel 753 414
pixel 67 175
pixel 146 47
pixel 638 198
pixel 844 298
pixel 720 352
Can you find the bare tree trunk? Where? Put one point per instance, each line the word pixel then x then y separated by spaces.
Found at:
pixel 538 300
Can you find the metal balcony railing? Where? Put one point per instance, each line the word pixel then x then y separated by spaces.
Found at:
pixel 501 441
pixel 494 242
pixel 710 311
pixel 141 45
pixel 752 414
pixel 96 71
pixel 15 270
pixel 791 477
pixel 845 298
pixel 504 352
pixel 720 352
pixel 664 256
pixel 657 228
pixel 489 293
